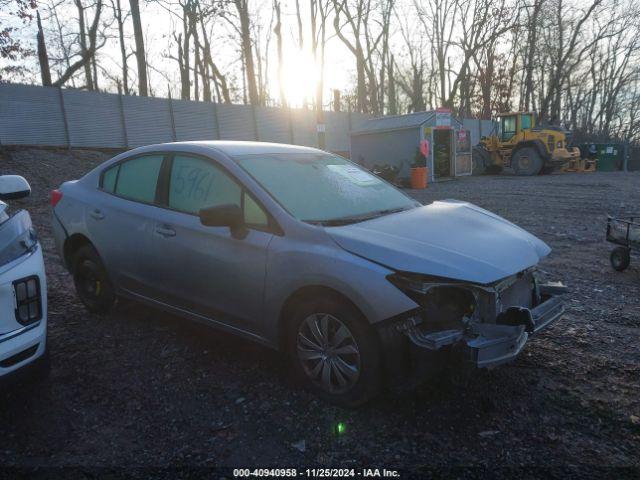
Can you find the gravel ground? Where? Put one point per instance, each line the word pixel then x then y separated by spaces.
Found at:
pixel 140 388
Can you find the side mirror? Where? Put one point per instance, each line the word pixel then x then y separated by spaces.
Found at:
pixel 229 215
pixel 13 187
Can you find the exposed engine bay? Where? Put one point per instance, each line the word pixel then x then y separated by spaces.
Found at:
pixel 494 321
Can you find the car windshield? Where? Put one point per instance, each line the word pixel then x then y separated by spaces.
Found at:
pixel 324 189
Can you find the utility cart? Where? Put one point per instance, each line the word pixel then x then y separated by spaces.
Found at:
pixel 624 232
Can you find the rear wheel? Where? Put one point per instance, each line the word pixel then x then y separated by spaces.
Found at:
pixel 620 258
pixel 92 282
pixel 526 161
pixel 334 351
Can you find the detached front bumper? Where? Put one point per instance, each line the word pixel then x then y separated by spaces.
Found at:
pixel 487 345
pixel 496 344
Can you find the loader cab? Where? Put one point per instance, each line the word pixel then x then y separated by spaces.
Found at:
pixel 511 124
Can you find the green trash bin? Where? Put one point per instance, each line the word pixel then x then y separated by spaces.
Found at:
pixel 609 157
pixel 607 164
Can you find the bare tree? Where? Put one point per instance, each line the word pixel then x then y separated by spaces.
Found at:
pixel 277 29
pixel 120 18
pixel 246 43
pixel 43 57
pixel 140 52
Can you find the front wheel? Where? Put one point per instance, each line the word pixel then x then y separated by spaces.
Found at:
pixel 92 282
pixel 335 352
pixel 620 258
pixel 526 161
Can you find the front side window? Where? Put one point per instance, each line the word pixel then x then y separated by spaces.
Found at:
pixel 254 215
pixel 323 188
pixel 134 179
pixel 196 183
pixel 525 122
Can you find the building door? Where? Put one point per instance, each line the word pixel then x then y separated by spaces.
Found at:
pixel 442 152
pixel 462 152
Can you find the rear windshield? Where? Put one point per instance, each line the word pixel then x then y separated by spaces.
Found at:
pixel 321 187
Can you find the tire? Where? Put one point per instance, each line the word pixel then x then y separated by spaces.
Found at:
pixel 346 379
pixel 92 281
pixel 526 161
pixel 620 258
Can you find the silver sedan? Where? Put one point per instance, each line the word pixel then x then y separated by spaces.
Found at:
pixel 305 252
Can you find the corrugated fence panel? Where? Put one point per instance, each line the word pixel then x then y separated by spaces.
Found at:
pixel 94 119
pixel 148 120
pixel 337 131
pixel 31 116
pixel 304 127
pixel 273 125
pixel 236 122
pixel 195 120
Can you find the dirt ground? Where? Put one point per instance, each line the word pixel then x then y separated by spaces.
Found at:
pixel 140 388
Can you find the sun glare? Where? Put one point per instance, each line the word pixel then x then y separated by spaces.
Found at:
pixel 300 76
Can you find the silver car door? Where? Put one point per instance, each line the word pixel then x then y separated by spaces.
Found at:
pixel 120 220
pixel 205 269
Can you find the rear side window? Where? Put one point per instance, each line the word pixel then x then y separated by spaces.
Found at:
pixel 109 179
pixel 196 183
pixel 137 178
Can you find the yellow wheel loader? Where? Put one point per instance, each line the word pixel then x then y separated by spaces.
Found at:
pixel 523 146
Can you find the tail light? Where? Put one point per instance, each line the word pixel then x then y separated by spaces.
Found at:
pixel 56 196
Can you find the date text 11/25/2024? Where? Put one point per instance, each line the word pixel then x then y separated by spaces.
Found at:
pixel 316 472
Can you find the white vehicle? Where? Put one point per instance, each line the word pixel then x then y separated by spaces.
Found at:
pixel 23 287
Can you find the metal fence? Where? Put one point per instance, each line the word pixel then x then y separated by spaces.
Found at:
pixel 54 117
pixel 47 116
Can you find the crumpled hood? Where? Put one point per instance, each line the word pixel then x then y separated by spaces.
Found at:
pixel 448 239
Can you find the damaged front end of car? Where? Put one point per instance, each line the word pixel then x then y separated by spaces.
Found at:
pixel 487 325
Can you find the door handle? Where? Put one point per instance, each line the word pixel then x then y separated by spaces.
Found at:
pixel 166 231
pixel 97 214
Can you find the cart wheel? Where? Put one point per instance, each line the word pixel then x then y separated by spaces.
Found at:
pixel 620 258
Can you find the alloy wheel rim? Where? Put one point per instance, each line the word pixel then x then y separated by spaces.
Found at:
pixel 328 352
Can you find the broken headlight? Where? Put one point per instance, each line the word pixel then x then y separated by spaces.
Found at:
pixel 444 304
pixel 17 237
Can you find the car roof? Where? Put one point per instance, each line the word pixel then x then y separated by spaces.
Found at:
pixel 230 148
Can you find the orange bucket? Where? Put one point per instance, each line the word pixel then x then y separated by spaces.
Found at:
pixel 419 177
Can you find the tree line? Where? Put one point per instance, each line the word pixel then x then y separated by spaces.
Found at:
pixel 574 62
